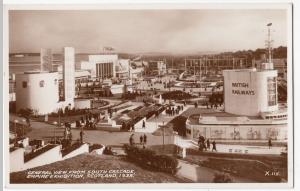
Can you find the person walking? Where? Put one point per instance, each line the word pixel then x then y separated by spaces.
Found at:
pixel 208 144
pixel 141 139
pixel 214 148
pixel 270 143
pixel 131 140
pixel 81 136
pixel 203 143
pixel 145 139
pixel 144 124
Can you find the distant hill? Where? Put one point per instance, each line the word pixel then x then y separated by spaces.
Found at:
pixel 279 52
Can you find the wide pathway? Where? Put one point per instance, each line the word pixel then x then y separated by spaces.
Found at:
pixel 42 130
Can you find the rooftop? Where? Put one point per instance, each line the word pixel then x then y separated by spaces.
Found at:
pixel 222 118
pixel 38 72
pixel 249 70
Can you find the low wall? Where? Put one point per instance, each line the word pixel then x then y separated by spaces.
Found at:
pixel 82 149
pixel 16 160
pixel 98 151
pixel 238 132
pixel 52 155
pixel 109 128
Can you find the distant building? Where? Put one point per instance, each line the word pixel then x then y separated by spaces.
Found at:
pixel 38 91
pixel 157 67
pixel 101 66
pixel 122 68
pixel 213 64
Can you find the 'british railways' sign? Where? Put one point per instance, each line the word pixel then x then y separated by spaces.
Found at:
pixel 243 89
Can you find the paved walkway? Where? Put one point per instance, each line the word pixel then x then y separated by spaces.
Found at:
pixel 42 130
pixel 154 123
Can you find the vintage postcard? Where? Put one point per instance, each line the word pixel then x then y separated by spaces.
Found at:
pixel 182 95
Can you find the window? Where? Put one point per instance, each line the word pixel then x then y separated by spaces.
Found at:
pixel 24 84
pixel 42 83
pixel 272 91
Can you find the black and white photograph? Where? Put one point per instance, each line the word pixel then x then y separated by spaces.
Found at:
pixel 186 94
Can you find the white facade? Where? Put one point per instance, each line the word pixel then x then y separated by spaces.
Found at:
pixel 122 65
pixel 162 67
pixel 234 131
pixel 122 68
pixel 101 66
pixel 250 92
pixel 69 75
pixel 37 91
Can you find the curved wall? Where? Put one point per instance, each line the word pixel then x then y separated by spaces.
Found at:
pixel 37 91
pixel 246 91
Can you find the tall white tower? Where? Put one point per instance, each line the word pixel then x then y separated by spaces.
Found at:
pixel 69 75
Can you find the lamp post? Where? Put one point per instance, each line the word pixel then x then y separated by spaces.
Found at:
pixel 55 124
pixel 163 134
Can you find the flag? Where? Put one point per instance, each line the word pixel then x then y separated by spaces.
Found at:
pixel 270 24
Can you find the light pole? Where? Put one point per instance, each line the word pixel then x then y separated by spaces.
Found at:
pixel 163 135
pixel 55 124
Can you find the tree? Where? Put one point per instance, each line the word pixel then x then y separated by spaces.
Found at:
pixel 179 125
pixel 26 113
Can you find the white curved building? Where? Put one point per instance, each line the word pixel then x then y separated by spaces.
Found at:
pixel 250 92
pixel 38 91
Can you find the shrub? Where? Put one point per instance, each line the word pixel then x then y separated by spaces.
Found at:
pixel 176 95
pixel 94 147
pixel 179 125
pixel 147 158
pixel 222 178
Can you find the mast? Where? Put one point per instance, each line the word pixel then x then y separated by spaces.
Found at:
pixel 269 43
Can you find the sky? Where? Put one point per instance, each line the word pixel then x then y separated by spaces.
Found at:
pixel 138 31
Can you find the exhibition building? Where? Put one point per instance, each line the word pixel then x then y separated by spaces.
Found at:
pixel 251 109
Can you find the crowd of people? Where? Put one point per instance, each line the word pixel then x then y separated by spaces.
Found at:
pixel 204 144
pixel 143 140
pixel 172 110
pixel 88 121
